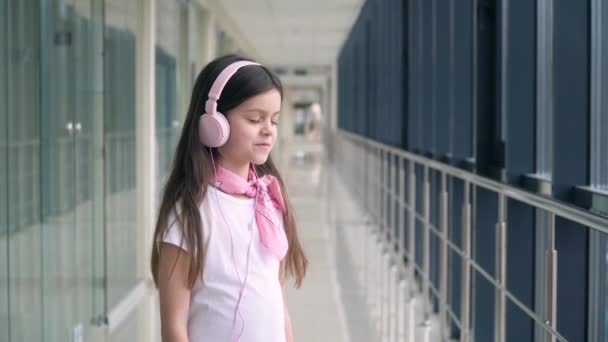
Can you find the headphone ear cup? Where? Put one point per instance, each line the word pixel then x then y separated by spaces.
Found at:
pixel 213 129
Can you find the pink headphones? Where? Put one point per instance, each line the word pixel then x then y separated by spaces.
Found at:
pixel 213 127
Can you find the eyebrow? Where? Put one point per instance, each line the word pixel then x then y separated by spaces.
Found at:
pixel 261 111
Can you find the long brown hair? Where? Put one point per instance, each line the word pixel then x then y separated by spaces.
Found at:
pixel 192 170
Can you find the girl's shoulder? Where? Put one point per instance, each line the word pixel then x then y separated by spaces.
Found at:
pixel 174 230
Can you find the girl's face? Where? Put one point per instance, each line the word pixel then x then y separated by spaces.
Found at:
pixel 253 130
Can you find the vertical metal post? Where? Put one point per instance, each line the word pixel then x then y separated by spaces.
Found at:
pixel 380 290
pixel 401 316
pixel 383 241
pixel 551 278
pixel 368 224
pixel 401 222
pixel 385 195
pixel 393 201
pixel 426 264
pixel 374 288
pixel 368 180
pixel 379 178
pixel 378 284
pixel 394 303
pixel 443 223
pixel 373 179
pixel 412 229
pixel 501 271
pixel 465 297
pixel 371 269
pixel 386 288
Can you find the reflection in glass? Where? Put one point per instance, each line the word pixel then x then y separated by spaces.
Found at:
pixel 120 158
pixel 22 153
pixel 168 57
pixel 67 152
pixel 4 320
pixel 166 121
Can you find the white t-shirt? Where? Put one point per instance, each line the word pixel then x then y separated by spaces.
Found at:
pixel 212 305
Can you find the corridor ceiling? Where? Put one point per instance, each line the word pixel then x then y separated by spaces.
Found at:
pixel 294 33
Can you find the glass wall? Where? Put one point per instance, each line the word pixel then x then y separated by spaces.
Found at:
pixel 120 105
pixel 72 247
pixel 171 81
pixel 66 171
pixel 166 112
pixel 51 265
pixel 4 309
pixel 22 234
pixel 46 174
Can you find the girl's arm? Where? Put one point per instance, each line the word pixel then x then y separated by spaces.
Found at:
pixel 288 327
pixel 174 293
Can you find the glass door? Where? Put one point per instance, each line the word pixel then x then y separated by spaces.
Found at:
pixel 85 89
pixel 59 276
pixel 73 294
pixel 21 239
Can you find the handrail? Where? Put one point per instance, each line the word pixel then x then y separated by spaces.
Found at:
pixel 570 212
pixel 384 196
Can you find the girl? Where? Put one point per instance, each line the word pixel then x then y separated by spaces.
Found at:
pixel 226 238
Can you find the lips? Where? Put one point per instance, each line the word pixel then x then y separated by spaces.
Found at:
pixel 263 145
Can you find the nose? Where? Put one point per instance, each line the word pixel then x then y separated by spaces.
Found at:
pixel 267 128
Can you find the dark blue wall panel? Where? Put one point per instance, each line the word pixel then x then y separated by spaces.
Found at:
pixel 434 77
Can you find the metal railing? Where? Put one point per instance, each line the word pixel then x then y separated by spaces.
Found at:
pixel 396 277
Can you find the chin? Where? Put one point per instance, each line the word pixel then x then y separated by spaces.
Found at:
pixel 259 159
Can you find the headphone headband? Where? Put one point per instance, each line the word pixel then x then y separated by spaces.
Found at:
pixel 220 83
pixel 213 128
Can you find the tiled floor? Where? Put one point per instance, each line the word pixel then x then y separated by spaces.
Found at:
pixel 328 307
pixel 316 309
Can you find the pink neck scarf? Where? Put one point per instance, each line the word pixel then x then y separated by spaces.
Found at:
pixel 269 225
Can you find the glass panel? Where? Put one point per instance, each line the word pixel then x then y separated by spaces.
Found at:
pixel 58 181
pixel 89 147
pixel 3 177
pixel 120 157
pixel 83 82
pixel 49 282
pixel 67 158
pixel 166 121
pixel 23 163
pixel 168 52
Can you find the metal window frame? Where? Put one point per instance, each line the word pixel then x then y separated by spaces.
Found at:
pixel 598 242
pixel 598 294
pixel 599 102
pixel 544 155
pixel 544 88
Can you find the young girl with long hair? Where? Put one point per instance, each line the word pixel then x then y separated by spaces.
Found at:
pixel 226 238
